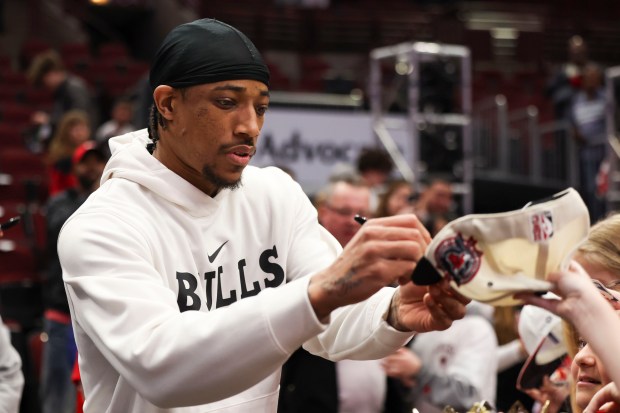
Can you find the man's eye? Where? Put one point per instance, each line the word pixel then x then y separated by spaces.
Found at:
pixel 260 111
pixel 226 103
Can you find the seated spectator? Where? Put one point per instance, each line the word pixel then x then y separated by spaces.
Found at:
pixel 73 130
pixel 120 122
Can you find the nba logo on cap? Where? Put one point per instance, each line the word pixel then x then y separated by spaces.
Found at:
pixel 542 226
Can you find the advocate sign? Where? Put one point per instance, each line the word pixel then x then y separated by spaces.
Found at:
pixel 314 143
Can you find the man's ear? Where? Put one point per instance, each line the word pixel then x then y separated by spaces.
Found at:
pixel 163 95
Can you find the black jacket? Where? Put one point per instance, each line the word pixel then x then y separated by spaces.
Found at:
pixel 309 385
pixel 59 209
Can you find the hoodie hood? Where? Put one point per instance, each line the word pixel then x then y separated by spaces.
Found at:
pixel 131 160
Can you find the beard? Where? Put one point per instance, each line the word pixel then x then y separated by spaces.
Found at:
pixel 87 183
pixel 218 181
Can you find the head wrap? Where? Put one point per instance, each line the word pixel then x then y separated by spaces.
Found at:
pixel 206 51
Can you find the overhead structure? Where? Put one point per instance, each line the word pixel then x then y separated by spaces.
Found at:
pixel 408 58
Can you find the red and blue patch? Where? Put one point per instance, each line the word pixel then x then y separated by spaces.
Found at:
pixel 458 258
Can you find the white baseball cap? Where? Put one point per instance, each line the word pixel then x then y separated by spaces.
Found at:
pixel 541 333
pixel 491 257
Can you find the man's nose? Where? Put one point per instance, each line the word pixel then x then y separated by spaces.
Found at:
pixel 248 123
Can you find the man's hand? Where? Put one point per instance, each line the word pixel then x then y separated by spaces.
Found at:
pixel 403 365
pixel 550 391
pixel 383 251
pixel 416 308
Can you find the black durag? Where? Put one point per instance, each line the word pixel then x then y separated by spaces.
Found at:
pixel 206 51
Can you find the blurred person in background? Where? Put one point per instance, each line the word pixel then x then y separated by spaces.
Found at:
pixel 456 367
pixel 73 130
pixel 511 355
pixel 588 119
pixel 375 166
pixel 397 199
pixel 435 206
pixel 69 92
pixel 57 390
pixel 567 80
pixel 119 123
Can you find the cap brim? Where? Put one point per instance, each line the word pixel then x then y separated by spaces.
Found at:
pixel 531 374
pixel 425 273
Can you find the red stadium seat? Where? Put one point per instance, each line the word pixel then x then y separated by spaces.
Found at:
pixel 18 266
pixel 15 113
pixel 21 162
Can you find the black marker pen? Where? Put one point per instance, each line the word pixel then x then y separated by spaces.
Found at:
pixel 10 223
pixel 360 219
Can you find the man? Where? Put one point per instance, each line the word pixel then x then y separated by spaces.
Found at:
pixel 590 129
pixel 119 122
pixel 313 384
pixel 177 268
pixel 57 390
pixel 434 208
pixel 374 165
pixel 566 80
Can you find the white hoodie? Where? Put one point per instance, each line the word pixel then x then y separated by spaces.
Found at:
pixel 148 246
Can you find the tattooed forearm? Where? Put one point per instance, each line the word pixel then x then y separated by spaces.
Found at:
pixel 343 285
pixel 392 318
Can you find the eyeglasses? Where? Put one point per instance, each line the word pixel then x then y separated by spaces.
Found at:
pixel 610 295
pixel 346 212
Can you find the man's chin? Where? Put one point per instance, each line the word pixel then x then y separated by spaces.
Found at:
pixel 220 181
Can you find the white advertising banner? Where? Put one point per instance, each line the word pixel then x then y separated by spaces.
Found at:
pixel 314 143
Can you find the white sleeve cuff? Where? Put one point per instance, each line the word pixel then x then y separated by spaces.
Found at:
pixel 292 319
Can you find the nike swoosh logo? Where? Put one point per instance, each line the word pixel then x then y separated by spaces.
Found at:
pixel 213 256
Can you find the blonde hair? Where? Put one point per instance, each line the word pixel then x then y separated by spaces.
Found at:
pixel 601 249
pixel 61 145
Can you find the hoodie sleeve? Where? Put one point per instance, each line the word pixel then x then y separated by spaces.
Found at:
pixel 357 332
pixel 122 303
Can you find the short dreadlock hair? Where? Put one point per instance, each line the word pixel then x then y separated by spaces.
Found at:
pixel 156 119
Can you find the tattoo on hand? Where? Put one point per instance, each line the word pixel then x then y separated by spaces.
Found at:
pixel 392 318
pixel 343 285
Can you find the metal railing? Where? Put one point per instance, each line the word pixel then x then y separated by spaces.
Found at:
pixel 612 75
pixel 512 145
